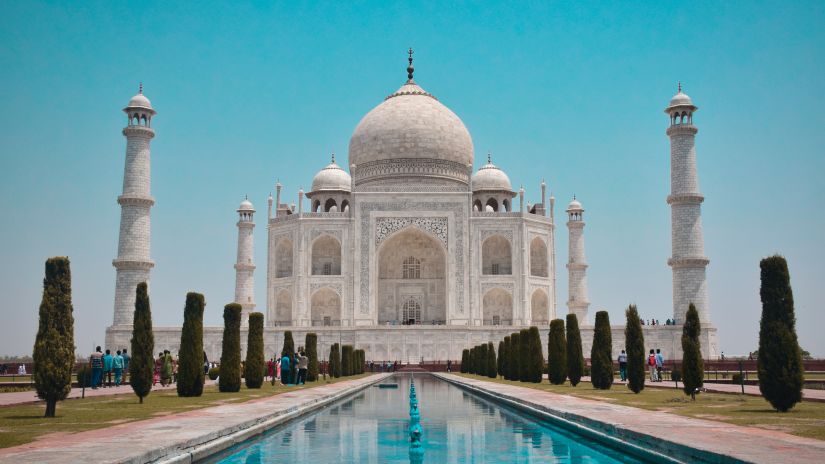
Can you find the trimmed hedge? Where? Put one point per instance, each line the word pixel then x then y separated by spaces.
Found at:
pixel 535 356
pixel 634 341
pixel 311 347
pixel 142 364
pixel 693 367
pixel 190 355
pixel 601 355
pixel 346 360
pixel 255 365
pixel 575 357
pixel 230 378
pixel 557 353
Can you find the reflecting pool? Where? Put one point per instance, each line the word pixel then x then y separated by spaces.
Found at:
pixel 459 427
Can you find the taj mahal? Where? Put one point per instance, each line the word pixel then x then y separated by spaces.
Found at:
pixel 404 250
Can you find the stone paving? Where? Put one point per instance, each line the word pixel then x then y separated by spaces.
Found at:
pixel 682 438
pixel 182 437
pixel 808 394
pixel 29 397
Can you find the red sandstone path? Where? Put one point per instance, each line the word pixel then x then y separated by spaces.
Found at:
pixel 30 397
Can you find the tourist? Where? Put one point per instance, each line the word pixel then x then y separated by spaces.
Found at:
pixel 660 364
pixel 303 363
pixel 449 366
pixel 623 366
pixel 158 369
pixel 126 360
pixel 278 368
pixel 651 364
pixel 205 364
pixel 96 361
pixel 166 371
pixel 117 367
pixel 284 367
pixel 107 367
pixel 175 368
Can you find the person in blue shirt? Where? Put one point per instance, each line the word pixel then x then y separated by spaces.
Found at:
pixel 660 364
pixel 107 368
pixel 117 366
pixel 285 363
pixel 126 360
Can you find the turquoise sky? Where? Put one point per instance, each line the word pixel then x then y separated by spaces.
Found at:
pixel 570 92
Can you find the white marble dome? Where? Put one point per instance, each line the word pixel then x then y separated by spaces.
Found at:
pixel 490 177
pixel 575 205
pixel 411 134
pixel 332 177
pixel 246 205
pixel 139 101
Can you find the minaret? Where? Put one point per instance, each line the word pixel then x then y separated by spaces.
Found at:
pixel 577 302
pixel 133 263
pixel 244 268
pixel 688 259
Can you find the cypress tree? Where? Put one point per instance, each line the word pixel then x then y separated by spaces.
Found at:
pixel 491 361
pixel 230 377
pixel 500 358
pixel 634 341
pixel 254 366
pixel 190 356
pixel 557 353
pixel 141 367
pixel 482 359
pixel 536 355
pixel 335 361
pixel 693 367
pixel 524 355
pixel 781 373
pixel 289 350
pixel 504 356
pixel 465 361
pixel 311 347
pixel 346 360
pixel 515 349
pixel 54 346
pixel 575 357
pixel 473 366
pixel 477 360
pixel 601 355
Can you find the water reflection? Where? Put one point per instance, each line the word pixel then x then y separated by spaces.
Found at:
pixel 458 428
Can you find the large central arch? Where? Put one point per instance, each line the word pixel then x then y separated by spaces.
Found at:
pixel 412 273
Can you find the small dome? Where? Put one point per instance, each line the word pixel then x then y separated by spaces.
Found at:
pixel 332 177
pixel 575 205
pixel 246 205
pixel 490 177
pixel 681 99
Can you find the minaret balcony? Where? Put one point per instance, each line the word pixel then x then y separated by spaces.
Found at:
pixel 680 129
pixel 135 200
pixel 138 131
pixel 685 198
pixel 688 262
pixel 244 267
pixel 132 264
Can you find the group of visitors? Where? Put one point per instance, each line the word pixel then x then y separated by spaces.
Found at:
pixel 384 366
pixel 656 322
pixel 108 370
pixel 166 369
pixel 289 369
pixel 655 364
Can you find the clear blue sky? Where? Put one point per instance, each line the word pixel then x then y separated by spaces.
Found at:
pixel 571 92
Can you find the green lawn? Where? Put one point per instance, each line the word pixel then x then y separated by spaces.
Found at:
pixel 25 423
pixel 807 419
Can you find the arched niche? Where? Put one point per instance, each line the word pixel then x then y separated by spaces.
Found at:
pixel 326 256
pixel 283 258
pixel 540 307
pixel 412 265
pixel 283 308
pixel 497 306
pixel 538 257
pixel 325 307
pixel 496 256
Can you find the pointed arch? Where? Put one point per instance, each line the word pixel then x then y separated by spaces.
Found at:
pixel 326 256
pixel 283 307
pixel 497 307
pixel 496 256
pixel 539 307
pixel 538 257
pixel 329 204
pixel 283 258
pixel 325 307
pixel 492 205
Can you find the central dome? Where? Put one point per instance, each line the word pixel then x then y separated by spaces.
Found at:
pixel 411 134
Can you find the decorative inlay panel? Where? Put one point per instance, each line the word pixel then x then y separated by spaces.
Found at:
pixel 486 287
pixel 459 211
pixel 315 286
pixel 506 233
pixel 331 232
pixel 386 226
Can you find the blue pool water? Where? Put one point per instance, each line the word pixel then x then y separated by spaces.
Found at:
pixel 459 427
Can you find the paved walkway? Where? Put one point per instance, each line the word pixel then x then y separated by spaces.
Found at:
pixel 808 394
pixel 30 397
pixel 682 438
pixel 188 436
